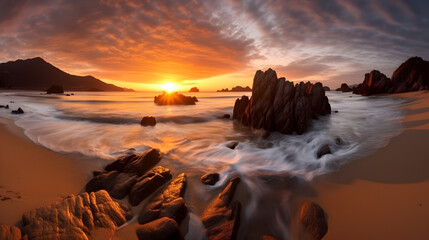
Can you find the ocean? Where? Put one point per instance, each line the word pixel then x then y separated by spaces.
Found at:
pixel 106 125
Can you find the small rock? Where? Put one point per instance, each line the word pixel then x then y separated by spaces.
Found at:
pixel 313 218
pixel 8 232
pixel 232 145
pixel 55 89
pixel 160 229
pixel 210 178
pixel 323 150
pixel 18 111
pixel 148 121
pixel 336 111
pixel 224 116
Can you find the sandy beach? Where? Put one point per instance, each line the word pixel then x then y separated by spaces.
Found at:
pixel 32 176
pixel 384 195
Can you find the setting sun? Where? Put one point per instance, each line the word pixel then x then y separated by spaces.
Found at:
pixel 169 87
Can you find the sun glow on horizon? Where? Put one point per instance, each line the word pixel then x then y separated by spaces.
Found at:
pixel 169 87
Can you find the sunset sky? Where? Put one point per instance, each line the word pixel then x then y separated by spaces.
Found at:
pixel 215 44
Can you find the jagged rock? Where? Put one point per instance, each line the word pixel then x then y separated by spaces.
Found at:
pixel 161 229
pixel 224 116
pixel 8 232
pixel 236 89
pixel 232 145
pixel 194 89
pixel 344 88
pixel 169 203
pixel 55 89
pixel 119 177
pixel 313 219
pixel 278 105
pixel 148 121
pixel 148 183
pixel 174 99
pixel 323 150
pixel 18 111
pixel 210 178
pixel 4 106
pixel 221 218
pixel 374 83
pixel 85 216
pixel 326 88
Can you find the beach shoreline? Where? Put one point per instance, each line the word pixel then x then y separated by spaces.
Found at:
pixel 383 195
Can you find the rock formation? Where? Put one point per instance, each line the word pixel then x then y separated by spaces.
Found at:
pixel 120 177
pixel 344 88
pixel 412 75
pixel 236 89
pixel 210 178
pixel 174 99
pixel 148 121
pixel 313 219
pixel 221 218
pixel 326 88
pixel 278 105
pixel 86 216
pixel 8 232
pixel 55 89
pixel 161 229
pixel 194 89
pixel 17 111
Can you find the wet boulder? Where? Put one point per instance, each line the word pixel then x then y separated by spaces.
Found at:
pixel 85 216
pixel 210 178
pixel 170 203
pixel 221 218
pixel 313 219
pixel 148 121
pixel 148 183
pixel 232 145
pixel 323 150
pixel 224 116
pixel 161 229
pixel 18 111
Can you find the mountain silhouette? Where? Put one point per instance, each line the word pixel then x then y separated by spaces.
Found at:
pixel 37 74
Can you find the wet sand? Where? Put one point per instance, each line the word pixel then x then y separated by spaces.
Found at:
pixel 384 195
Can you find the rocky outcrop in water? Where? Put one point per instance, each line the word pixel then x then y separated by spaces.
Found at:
pixel 210 178
pixel 160 229
pixel 313 219
pixel 174 99
pixel 412 75
pixel 194 89
pixel 86 216
pixel 8 232
pixel 279 105
pixel 169 203
pixel 326 88
pixel 236 89
pixel 121 177
pixel 17 111
pixel 344 88
pixel 148 121
pixel 55 89
pixel 221 218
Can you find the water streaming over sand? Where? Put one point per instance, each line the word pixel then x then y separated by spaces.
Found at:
pixel 193 139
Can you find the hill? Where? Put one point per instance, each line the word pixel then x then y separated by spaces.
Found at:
pixel 37 74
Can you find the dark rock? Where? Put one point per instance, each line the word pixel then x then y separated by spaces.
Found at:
pixel 86 216
pixel 344 88
pixel 236 89
pixel 104 181
pixel 119 164
pixel 174 99
pixel 210 178
pixel 143 162
pixel 221 218
pixel 326 88
pixel 4 106
pixel 169 203
pixel 278 105
pixel 224 116
pixel 123 184
pixel 161 229
pixel 374 83
pixel 55 89
pixel 323 150
pixel 148 183
pixel 336 111
pixel 194 89
pixel 232 145
pixel 313 219
pixel 148 121
pixel 8 232
pixel 18 111
pixel 97 172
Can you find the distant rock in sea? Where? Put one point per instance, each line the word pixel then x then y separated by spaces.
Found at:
pixel 278 105
pixel 18 111
pixel 344 88
pixel 148 121
pixel 326 88
pixel 412 75
pixel 194 89
pixel 236 89
pixel 174 99
pixel 55 89
pixel 37 74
